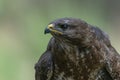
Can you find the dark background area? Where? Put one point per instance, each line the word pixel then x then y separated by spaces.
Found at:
pixel 22 24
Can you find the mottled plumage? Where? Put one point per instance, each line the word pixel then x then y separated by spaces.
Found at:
pixel 77 51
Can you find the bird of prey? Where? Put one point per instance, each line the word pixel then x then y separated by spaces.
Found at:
pixel 77 51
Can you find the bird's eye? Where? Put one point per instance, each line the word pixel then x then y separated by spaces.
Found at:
pixel 64 26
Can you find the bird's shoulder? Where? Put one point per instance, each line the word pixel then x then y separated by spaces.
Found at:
pixel 113 65
pixel 44 67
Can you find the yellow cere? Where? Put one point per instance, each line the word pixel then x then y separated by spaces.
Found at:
pixel 51 28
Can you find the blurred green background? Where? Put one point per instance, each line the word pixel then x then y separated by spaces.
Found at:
pixel 22 24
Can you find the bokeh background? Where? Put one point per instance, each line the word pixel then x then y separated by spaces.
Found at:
pixel 22 24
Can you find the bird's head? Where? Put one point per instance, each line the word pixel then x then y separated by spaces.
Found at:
pixel 70 30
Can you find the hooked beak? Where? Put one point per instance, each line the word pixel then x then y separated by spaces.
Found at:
pixel 48 29
pixel 51 29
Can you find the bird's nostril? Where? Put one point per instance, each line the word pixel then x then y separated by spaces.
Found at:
pixel 50 26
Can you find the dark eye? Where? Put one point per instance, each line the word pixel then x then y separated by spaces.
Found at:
pixel 64 26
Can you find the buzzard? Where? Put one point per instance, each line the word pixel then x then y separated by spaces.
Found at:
pixel 77 51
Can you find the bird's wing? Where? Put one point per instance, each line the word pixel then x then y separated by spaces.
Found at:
pixel 103 74
pixel 44 67
pixel 113 66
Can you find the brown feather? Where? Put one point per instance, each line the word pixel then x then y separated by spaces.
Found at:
pixel 81 52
